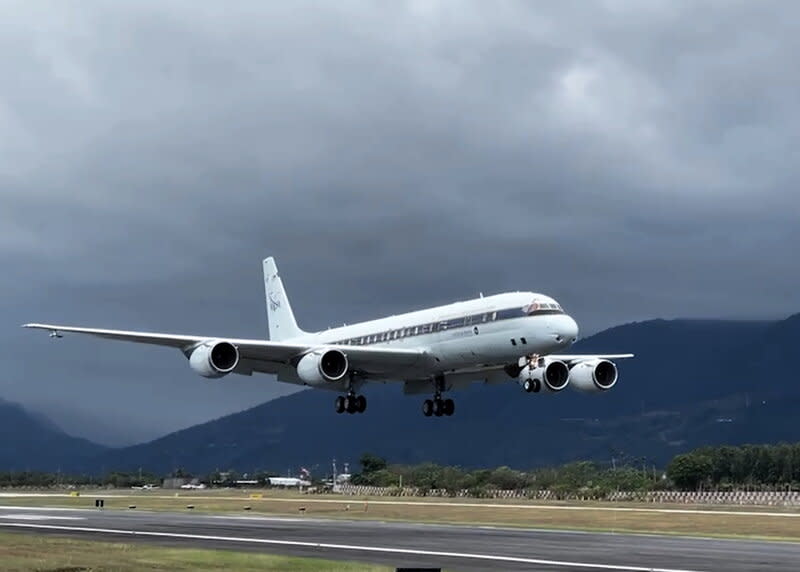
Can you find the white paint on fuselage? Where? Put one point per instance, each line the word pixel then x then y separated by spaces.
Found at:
pixel 476 345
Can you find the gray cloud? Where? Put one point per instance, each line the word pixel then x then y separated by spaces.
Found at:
pixel 632 160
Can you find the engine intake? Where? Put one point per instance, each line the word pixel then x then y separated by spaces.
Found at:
pixel 593 375
pixel 214 359
pixel 322 367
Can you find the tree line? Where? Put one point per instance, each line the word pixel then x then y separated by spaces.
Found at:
pixel 751 467
pixel 764 467
pixel 586 478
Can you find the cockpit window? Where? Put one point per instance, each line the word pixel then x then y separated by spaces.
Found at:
pixel 538 307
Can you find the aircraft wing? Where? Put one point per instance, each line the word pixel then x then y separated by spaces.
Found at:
pixel 260 355
pixel 571 360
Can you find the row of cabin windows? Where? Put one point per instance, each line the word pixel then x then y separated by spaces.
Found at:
pixel 423 329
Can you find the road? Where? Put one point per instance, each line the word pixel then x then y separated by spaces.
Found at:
pixel 454 547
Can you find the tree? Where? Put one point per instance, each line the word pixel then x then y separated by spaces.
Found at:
pixel 372 463
pixel 689 471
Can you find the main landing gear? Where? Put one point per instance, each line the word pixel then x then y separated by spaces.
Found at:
pixel 352 403
pixel 438 407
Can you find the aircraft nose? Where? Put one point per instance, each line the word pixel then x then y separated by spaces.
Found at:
pixel 566 329
pixel 572 330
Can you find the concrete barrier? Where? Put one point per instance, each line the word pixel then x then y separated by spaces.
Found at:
pixel 760 498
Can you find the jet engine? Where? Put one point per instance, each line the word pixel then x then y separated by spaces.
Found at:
pixel 214 358
pixel 322 367
pixel 550 374
pixel 593 375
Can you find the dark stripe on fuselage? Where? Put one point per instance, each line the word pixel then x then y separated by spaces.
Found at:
pixel 443 325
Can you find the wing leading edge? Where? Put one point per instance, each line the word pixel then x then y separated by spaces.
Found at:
pixel 573 359
pixel 267 353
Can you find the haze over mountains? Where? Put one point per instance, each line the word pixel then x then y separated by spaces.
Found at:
pixel 693 382
pixel 30 441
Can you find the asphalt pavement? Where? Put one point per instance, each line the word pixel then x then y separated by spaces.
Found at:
pixel 454 547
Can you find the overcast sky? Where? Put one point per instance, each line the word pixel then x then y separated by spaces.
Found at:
pixel 632 159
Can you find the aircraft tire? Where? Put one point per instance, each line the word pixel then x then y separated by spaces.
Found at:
pixel 527 385
pixel 351 405
pixel 537 386
pixel 449 407
pixel 427 408
pixel 340 404
pixel 438 408
pixel 361 404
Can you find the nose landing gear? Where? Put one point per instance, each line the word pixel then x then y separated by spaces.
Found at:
pixel 532 385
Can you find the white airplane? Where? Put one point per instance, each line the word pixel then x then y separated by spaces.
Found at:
pixel 491 339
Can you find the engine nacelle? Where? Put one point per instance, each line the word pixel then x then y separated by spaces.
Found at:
pixel 214 358
pixel 593 375
pixel 545 373
pixel 322 367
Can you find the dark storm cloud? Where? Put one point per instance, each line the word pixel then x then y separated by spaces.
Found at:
pixel 634 160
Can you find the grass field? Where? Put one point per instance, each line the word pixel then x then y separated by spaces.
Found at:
pixel 726 521
pixel 25 552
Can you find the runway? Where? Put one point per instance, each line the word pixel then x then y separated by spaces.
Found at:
pixel 453 547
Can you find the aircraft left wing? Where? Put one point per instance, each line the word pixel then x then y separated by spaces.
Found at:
pixel 268 356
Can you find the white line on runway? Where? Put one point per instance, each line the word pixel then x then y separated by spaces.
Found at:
pixel 356 500
pixel 46 508
pixel 351 547
pixel 40 517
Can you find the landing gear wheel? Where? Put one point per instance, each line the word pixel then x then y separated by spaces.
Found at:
pixel 438 408
pixel 340 404
pixel 537 386
pixel 350 404
pixel 361 404
pixel 527 385
pixel 427 408
pixel 448 407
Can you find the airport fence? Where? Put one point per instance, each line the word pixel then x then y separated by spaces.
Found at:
pixel 762 498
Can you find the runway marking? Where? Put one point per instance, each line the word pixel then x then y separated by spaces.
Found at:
pixel 40 517
pixel 46 508
pixel 356 500
pixel 349 547
pixel 271 518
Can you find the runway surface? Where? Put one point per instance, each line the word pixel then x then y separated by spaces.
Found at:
pixel 408 544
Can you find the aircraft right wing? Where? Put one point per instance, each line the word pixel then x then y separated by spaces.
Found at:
pixel 257 355
pixel 571 360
